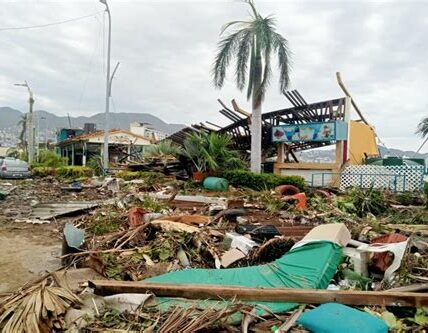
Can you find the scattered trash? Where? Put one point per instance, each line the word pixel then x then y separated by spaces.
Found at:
pixel 74 187
pixel 239 242
pixel 46 211
pixel 169 253
pixel 136 216
pixel 333 317
pixel 231 256
pixel 259 233
pixel 74 236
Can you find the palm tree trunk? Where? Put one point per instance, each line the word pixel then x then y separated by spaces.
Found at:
pixel 256 117
pixel 423 144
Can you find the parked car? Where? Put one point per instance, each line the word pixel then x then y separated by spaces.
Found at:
pixel 14 168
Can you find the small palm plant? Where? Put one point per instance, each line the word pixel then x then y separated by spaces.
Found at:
pixel 252 43
pixel 211 152
pixel 164 151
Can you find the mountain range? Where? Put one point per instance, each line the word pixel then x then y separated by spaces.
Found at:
pixel 10 117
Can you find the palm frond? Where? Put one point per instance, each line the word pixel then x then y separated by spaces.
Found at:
pixel 227 49
pixel 422 129
pixel 242 57
pixel 266 32
pixel 237 24
pixel 280 45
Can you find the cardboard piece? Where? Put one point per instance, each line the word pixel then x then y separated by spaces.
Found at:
pixel 231 256
pixel 335 232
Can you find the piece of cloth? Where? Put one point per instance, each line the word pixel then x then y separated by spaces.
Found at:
pixel 339 318
pixel 310 266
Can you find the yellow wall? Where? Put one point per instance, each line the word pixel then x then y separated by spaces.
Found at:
pixel 362 139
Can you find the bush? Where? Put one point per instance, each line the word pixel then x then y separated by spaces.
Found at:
pixel 261 181
pixel 96 164
pixel 50 159
pixel 74 172
pixel 42 171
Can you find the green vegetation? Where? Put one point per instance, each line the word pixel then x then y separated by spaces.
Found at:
pixel 211 152
pixel 272 203
pixel 50 159
pixel 363 202
pixel 42 171
pixel 252 43
pixel 152 205
pixel 255 181
pixel 164 151
pixel 74 172
pixel 103 223
pixel 69 172
pixel 96 164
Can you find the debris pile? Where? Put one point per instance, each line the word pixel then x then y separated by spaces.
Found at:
pixel 160 255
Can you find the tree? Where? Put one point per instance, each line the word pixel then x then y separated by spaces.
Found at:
pixel 252 44
pixel 423 131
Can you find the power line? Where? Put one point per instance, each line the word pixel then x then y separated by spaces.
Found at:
pixel 50 24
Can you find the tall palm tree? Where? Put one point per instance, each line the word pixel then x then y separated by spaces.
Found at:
pixel 423 131
pixel 252 43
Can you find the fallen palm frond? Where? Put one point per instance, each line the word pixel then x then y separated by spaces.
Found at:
pixel 191 319
pixel 35 309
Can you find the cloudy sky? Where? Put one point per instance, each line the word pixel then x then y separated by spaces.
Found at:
pixel 166 49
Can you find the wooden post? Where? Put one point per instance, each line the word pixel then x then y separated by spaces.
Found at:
pixel 280 158
pixel 84 154
pixel 72 153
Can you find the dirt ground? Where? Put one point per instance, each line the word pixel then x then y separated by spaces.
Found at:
pixel 29 250
pixel 26 252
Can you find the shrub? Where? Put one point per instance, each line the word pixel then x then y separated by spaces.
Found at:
pixel 42 171
pixel 74 172
pixel 96 164
pixel 50 159
pixel 127 175
pixel 261 181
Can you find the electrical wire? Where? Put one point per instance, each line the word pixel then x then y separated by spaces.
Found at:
pixel 50 24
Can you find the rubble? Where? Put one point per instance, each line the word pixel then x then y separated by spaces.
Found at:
pixel 245 258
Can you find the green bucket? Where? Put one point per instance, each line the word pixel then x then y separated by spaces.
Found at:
pixel 216 184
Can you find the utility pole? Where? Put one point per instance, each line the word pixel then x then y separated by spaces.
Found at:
pixel 30 122
pixel 46 132
pixel 107 102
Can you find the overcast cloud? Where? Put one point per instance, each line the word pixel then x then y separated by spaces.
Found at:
pixel 166 49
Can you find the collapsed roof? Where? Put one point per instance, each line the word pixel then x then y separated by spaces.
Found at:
pixel 300 113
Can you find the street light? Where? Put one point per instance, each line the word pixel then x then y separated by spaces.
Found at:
pixel 29 120
pixel 107 106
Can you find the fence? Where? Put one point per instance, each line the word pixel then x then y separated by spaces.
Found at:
pixel 395 178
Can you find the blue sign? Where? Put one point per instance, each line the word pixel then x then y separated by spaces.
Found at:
pixel 315 132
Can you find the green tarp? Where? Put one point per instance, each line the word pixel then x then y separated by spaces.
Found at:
pixel 310 266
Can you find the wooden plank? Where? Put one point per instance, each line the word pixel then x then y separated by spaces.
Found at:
pixel 304 296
